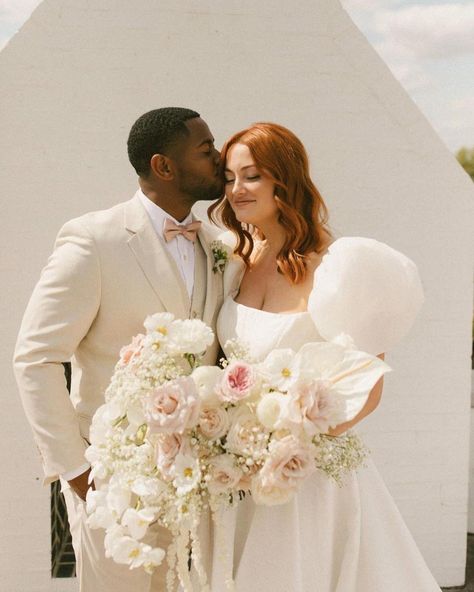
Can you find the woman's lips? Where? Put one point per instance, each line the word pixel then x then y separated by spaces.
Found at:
pixel 243 202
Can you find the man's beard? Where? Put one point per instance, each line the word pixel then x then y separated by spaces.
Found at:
pixel 200 190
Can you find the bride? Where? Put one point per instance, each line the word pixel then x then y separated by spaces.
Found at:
pixel 290 282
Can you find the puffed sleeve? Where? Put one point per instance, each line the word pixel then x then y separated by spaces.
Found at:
pixel 367 290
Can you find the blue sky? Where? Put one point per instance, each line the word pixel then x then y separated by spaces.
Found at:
pixel 428 44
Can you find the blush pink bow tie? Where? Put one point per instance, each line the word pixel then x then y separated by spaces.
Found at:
pixel 189 231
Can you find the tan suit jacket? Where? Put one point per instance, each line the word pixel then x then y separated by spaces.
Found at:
pixel 108 271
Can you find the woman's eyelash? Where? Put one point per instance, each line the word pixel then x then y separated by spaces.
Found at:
pixel 253 178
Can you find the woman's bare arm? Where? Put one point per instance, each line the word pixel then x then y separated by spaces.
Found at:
pixel 372 402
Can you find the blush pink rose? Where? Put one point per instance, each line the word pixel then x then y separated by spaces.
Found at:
pixel 290 461
pixel 129 353
pixel 270 494
pixel 237 382
pixel 173 407
pixel 224 474
pixel 312 406
pixel 213 422
pixel 167 448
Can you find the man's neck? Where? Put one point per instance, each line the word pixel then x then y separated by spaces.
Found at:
pixel 174 205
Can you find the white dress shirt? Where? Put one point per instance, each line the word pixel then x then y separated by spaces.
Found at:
pixel 182 251
pixel 180 248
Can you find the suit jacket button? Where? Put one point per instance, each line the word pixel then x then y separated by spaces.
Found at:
pixel 194 314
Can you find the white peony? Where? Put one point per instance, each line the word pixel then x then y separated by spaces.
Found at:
pixel 147 486
pixel 190 336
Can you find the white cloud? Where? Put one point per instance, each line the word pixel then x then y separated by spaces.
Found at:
pixel 428 31
pixel 361 4
pixel 15 12
pixel 454 122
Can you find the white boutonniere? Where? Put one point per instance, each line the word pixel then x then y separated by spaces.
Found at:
pixel 221 256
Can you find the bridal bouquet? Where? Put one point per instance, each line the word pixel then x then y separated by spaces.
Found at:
pixel 174 439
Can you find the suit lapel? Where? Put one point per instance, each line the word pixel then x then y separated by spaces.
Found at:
pixel 158 267
pixel 214 289
pixel 233 275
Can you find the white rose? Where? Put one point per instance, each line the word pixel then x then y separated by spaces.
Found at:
pixel 206 379
pixel 269 409
pixel 224 474
pixel 214 422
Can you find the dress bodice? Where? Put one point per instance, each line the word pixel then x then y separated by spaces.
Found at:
pixel 261 331
pixel 362 288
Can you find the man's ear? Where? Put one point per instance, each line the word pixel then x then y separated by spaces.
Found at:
pixel 163 167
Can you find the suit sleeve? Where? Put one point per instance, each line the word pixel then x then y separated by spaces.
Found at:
pixel 59 314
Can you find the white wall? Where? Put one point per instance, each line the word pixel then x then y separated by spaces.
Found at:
pixel 73 81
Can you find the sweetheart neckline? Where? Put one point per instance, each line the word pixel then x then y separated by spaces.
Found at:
pixel 268 312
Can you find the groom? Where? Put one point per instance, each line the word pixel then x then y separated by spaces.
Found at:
pixel 108 271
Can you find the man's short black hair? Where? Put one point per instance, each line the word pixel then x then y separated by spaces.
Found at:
pixel 154 133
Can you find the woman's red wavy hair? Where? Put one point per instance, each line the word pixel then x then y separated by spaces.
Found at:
pixel 281 156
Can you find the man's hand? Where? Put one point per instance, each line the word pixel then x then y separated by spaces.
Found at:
pixel 80 484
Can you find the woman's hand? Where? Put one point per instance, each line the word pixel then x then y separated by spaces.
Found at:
pixel 370 405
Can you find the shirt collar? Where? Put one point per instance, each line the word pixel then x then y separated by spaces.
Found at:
pixel 158 215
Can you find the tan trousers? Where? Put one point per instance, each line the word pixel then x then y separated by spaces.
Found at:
pixel 97 573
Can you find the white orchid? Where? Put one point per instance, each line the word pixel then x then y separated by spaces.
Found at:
pixel 279 369
pixel 159 323
pixel 137 521
pixel 186 473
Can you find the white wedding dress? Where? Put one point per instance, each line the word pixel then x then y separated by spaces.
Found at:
pixel 327 538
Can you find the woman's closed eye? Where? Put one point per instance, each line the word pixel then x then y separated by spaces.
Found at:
pixel 252 178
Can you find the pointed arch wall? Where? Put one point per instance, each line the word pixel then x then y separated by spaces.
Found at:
pixel 76 77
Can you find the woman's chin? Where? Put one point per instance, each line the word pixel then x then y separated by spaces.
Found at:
pixel 245 219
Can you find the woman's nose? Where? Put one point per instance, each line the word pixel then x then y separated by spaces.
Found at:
pixel 237 187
